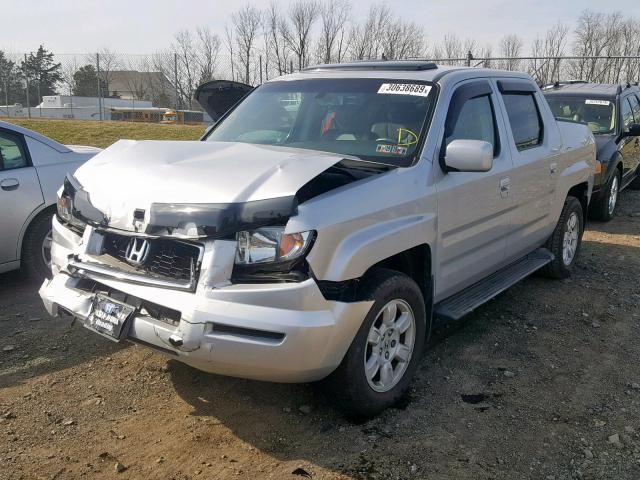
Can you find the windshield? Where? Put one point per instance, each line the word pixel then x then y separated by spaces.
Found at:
pixel 597 113
pixel 373 119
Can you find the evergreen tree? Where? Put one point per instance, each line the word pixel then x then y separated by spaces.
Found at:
pixel 42 73
pixel 11 89
pixel 86 82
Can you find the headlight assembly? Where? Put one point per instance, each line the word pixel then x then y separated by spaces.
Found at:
pixel 65 212
pixel 271 245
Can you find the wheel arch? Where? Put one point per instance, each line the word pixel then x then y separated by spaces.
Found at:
pixel 415 262
pixel 581 192
pixel 43 210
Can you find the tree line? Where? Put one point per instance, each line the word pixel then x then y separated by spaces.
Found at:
pixel 258 44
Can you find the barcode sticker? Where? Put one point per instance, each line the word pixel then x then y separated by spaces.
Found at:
pixel 419 89
pixel 597 102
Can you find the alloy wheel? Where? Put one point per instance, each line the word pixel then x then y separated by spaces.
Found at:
pixel 390 345
pixel 570 240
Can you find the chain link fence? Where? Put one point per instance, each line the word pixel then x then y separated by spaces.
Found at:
pixel 149 87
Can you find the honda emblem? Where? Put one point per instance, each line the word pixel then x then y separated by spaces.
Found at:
pixel 137 251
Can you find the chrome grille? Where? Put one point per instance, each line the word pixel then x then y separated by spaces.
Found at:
pixel 168 258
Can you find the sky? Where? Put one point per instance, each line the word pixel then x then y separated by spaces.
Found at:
pixel 145 26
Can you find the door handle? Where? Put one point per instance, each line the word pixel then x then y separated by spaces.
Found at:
pixel 9 184
pixel 505 186
pixel 553 167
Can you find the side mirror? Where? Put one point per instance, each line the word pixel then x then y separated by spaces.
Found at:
pixel 469 156
pixel 634 130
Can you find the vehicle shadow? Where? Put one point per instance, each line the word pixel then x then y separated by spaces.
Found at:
pixel 627 216
pixel 31 342
pixel 267 415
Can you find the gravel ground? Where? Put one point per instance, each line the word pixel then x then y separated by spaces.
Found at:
pixel 541 383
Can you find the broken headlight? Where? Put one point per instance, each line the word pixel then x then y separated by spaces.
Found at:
pixel 65 212
pixel 270 245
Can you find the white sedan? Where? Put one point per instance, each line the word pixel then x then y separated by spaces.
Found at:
pixel 32 169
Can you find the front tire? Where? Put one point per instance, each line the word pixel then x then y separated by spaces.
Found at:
pixel 377 369
pixel 36 248
pixel 566 240
pixel 604 208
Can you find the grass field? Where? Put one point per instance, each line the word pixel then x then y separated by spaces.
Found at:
pixel 103 134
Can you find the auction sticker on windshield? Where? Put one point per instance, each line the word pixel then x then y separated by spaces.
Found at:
pixel 108 316
pixel 419 89
pixel 597 102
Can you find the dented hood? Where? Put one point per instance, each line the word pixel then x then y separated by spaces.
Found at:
pixel 132 175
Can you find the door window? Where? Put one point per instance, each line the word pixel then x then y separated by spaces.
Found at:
pixel 12 154
pixel 524 119
pixel 475 122
pixel 627 114
pixel 635 107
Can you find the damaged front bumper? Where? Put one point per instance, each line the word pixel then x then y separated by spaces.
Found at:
pixel 286 332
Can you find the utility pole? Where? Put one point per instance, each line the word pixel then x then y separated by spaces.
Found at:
pixel 99 89
pixel 260 58
pixel 6 96
pixel 175 81
pixel 39 97
pixel 26 82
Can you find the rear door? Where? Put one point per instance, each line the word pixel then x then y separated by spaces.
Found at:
pixel 473 207
pixel 533 144
pixel 20 192
pixel 630 145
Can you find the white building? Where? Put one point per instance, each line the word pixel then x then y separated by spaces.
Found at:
pixel 83 108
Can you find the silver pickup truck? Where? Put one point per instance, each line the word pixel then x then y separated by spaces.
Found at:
pixel 325 223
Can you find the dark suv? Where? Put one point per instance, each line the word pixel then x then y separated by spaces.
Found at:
pixel 612 113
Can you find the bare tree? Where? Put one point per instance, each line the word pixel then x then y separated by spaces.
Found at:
pixel 277 46
pixel 551 47
pixel 246 23
pixel 230 41
pixel 510 48
pixel 297 32
pixel 69 68
pixel 334 16
pixel 184 47
pixel 110 62
pixel 365 40
pixel 452 47
pixel 403 40
pixel 207 51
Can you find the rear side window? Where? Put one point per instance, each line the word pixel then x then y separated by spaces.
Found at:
pixel 12 153
pixel 475 122
pixel 627 114
pixel 524 119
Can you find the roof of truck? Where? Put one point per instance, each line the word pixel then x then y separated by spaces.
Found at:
pixel 397 69
pixel 587 88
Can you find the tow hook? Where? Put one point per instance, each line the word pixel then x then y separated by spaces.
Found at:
pixel 176 341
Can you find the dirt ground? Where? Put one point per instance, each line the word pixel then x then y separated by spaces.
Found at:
pixel 541 383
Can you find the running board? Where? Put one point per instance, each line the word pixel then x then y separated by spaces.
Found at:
pixel 457 306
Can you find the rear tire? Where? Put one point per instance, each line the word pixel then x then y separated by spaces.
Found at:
pixel 566 240
pixel 36 247
pixel 604 208
pixel 377 369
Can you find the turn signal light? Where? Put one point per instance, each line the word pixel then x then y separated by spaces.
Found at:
pixel 598 167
